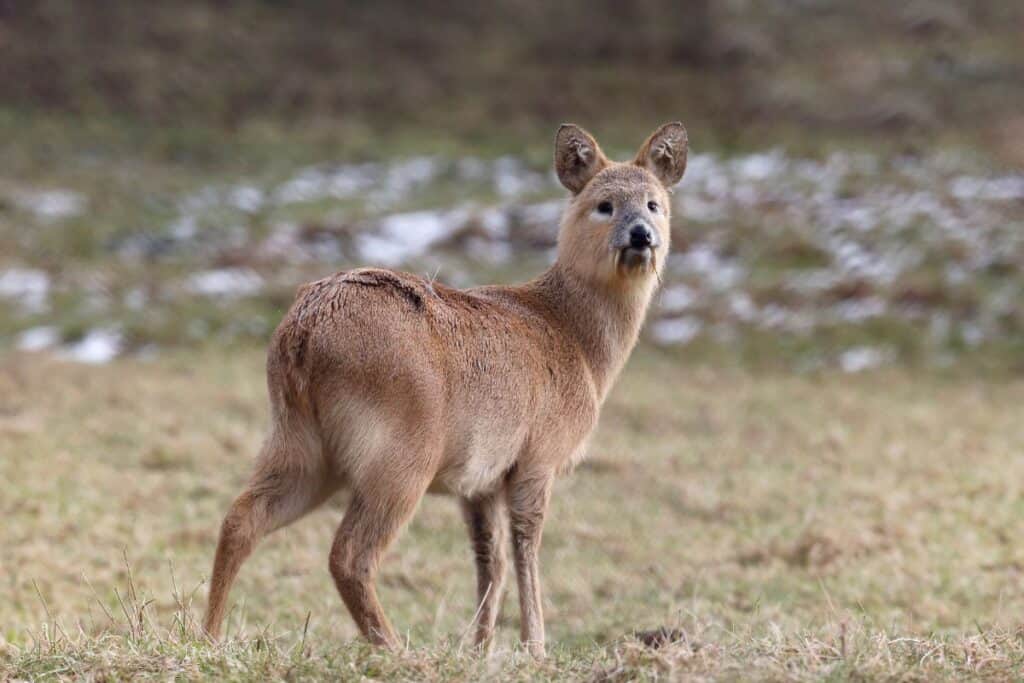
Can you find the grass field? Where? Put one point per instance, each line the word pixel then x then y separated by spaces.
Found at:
pixel 788 526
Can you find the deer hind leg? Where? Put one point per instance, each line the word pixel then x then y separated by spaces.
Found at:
pixel 528 496
pixel 484 521
pixel 289 481
pixel 381 505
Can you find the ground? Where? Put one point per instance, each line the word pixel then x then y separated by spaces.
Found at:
pixel 785 525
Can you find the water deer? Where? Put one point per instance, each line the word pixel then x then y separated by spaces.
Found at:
pixel 394 386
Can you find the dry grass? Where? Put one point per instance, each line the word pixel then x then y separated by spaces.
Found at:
pixel 790 527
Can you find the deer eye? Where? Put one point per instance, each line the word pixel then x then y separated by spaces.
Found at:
pixel 652 206
pixel 605 208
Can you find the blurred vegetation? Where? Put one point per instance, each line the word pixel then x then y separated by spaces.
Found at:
pixel 743 73
pixel 152 117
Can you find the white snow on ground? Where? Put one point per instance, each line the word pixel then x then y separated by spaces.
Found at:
pixel 512 178
pixel 184 228
pixel 247 198
pixel 387 185
pixel 676 330
pixel 403 236
pixel 859 310
pixel 861 358
pixel 675 298
pixel 52 205
pixel 703 261
pixel 760 166
pixel 867 226
pixel 28 287
pixel 225 283
pixel 742 307
pixel 494 221
pixel 402 178
pixel 38 338
pixel 316 183
pixel 98 346
pixel 490 251
pixel 1007 188
pixel 546 213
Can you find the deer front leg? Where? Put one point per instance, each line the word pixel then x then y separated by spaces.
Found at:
pixel 528 495
pixel 487 535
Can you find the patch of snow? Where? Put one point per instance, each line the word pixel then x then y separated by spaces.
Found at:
pixel 38 338
pixel 135 299
pixel 513 179
pixel 776 317
pixel 861 358
pixel 402 178
pixel 184 228
pixel 376 250
pixel 547 213
pixel 405 235
pixel 742 306
pixel 98 346
pixel 494 221
pixel 492 251
pixel 814 281
pixel 702 260
pixel 316 182
pixel 52 205
pixel 972 334
pixel 706 176
pixel 351 179
pixel 697 208
pixel 225 283
pixel 247 198
pixel 761 166
pixel 859 310
pixel 1006 188
pixel 680 330
pixel 308 185
pixel 29 287
pixel 676 298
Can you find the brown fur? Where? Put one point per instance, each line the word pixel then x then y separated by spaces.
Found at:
pixel 391 385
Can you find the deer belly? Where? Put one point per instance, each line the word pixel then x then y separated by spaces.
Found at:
pixel 478 457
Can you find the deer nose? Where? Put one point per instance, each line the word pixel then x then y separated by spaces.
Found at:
pixel 640 237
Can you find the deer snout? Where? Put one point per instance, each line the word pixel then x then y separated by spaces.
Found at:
pixel 635 242
pixel 634 232
pixel 641 237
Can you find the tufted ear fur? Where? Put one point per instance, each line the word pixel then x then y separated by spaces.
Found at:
pixel 577 157
pixel 664 153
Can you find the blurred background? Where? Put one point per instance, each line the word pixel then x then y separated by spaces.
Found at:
pixel 854 197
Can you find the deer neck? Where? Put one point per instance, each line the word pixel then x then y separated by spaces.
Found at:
pixel 604 319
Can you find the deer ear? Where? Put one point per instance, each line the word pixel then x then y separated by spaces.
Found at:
pixel 577 157
pixel 664 153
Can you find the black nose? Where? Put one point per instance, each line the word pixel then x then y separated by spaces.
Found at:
pixel 640 237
